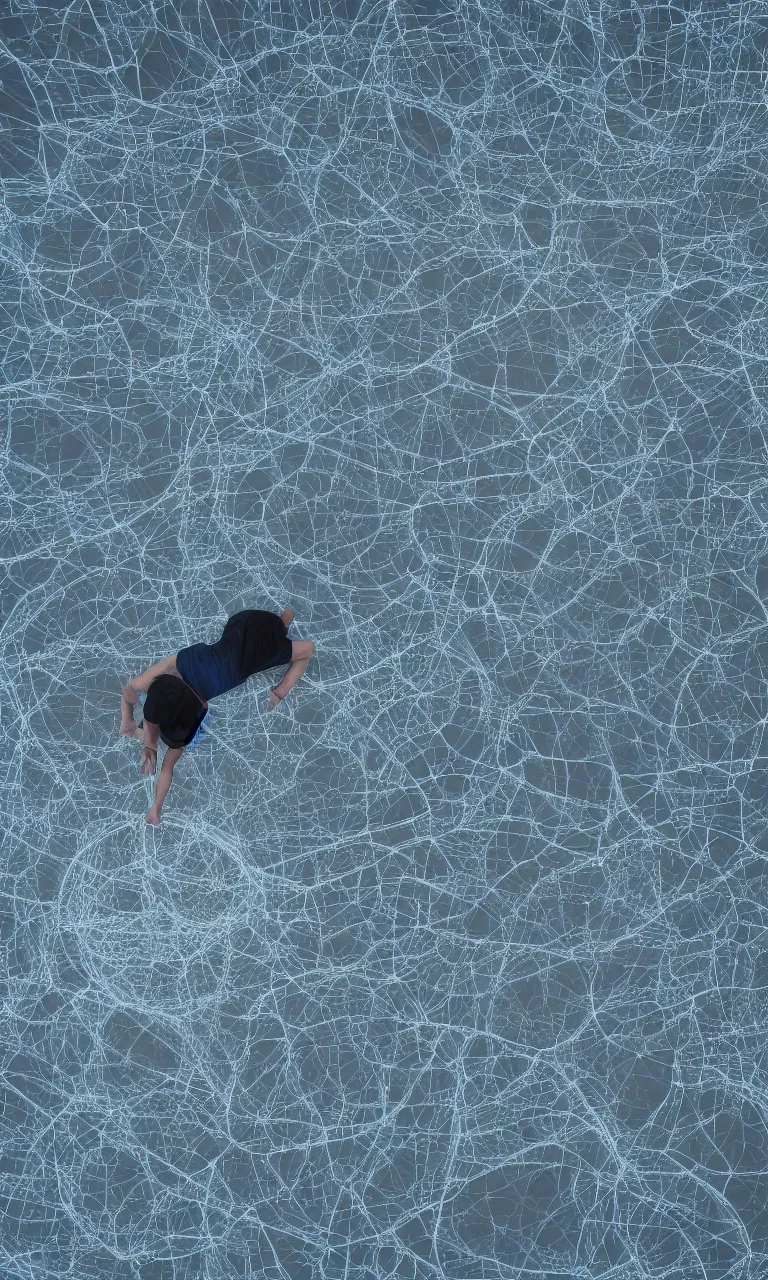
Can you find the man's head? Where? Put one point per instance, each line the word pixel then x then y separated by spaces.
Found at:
pixel 174 707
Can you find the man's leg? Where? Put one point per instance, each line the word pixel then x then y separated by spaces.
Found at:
pixel 302 652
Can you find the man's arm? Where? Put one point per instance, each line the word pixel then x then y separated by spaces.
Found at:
pixel 172 755
pixel 149 735
pixel 140 684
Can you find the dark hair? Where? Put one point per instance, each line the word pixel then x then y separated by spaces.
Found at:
pixel 175 708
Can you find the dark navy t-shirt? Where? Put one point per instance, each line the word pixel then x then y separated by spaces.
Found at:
pixel 211 669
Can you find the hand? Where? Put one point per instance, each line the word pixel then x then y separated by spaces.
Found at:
pixel 148 761
pixel 152 817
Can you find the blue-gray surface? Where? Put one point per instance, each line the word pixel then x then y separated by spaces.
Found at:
pixel 447 325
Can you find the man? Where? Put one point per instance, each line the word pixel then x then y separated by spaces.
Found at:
pixel 179 687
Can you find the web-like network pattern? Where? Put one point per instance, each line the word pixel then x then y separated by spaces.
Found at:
pixel 445 323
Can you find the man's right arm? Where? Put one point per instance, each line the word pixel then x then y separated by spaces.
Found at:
pixel 139 684
pixel 128 698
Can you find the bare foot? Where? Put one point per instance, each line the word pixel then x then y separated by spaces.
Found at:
pixel 153 817
pixel 274 699
pixel 288 616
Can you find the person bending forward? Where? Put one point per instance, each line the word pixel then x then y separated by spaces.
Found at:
pixel 178 688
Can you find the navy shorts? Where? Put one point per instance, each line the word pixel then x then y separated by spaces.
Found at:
pixel 280 658
pixel 261 640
